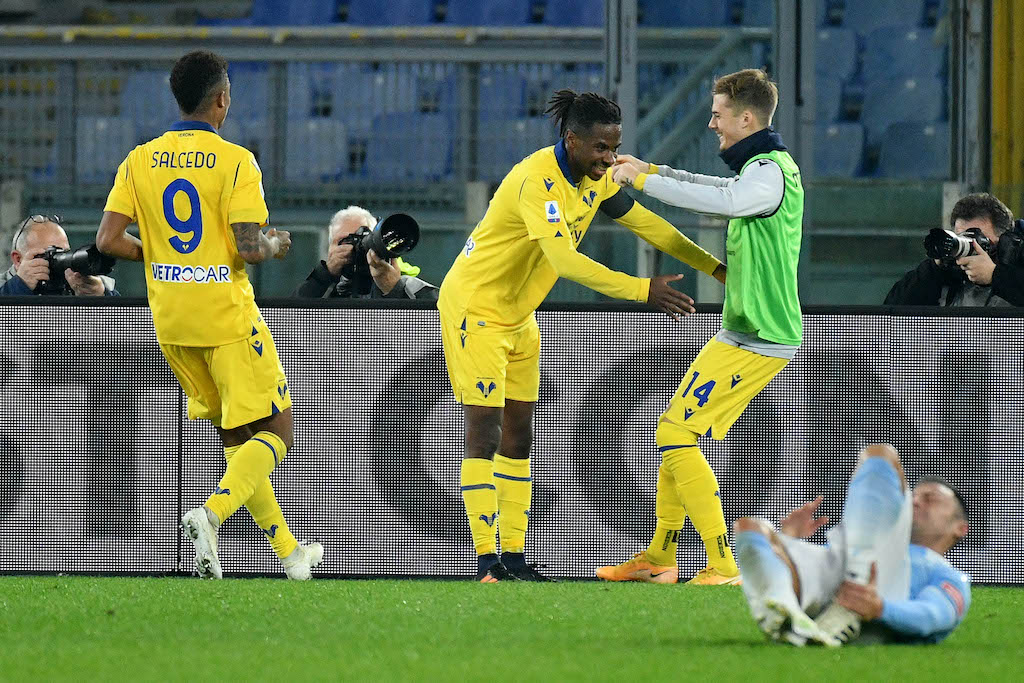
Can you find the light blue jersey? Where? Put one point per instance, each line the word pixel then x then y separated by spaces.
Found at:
pixel 939 598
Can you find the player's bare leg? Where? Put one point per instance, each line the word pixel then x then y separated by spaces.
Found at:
pixel 483 425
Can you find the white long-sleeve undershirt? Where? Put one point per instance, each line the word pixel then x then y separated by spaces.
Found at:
pixel 757 191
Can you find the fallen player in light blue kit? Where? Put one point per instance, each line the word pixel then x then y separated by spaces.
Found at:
pixel 883 565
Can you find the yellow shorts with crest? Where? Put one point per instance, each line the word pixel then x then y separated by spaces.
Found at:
pixel 235 384
pixel 716 389
pixel 486 366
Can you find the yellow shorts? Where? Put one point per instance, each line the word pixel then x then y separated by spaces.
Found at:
pixel 487 367
pixel 716 389
pixel 234 384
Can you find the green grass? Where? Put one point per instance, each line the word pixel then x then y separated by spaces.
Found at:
pixel 90 628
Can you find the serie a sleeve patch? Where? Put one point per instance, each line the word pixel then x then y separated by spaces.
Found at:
pixel 551 212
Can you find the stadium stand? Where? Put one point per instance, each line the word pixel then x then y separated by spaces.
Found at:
pixel 101 143
pixel 146 102
pixel 316 150
pixel 668 13
pixel 902 51
pixel 835 54
pixel 915 150
pixel 410 147
pixel 864 16
pixel 574 13
pixel 489 13
pixel 758 13
pixel 838 149
pixel 900 100
pixel 390 12
pixel 829 95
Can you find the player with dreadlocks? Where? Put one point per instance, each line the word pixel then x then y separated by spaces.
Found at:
pixel 528 239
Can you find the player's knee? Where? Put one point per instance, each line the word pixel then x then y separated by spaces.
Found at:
pixel 516 445
pixel 758 526
pixel 887 453
pixel 483 433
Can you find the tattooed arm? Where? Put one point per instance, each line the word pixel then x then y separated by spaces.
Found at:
pixel 255 246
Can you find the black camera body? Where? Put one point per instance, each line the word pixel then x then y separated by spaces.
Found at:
pixel 947 245
pixel 87 261
pixel 393 236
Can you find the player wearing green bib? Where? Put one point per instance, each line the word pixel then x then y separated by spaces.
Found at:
pixel 761 325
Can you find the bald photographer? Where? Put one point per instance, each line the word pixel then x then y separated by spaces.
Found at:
pixel 42 263
pixel 978 262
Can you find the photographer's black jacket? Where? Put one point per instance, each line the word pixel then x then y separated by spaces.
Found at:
pixel 12 285
pixel 321 284
pixel 926 284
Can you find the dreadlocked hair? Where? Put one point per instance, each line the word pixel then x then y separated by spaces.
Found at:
pixel 578 112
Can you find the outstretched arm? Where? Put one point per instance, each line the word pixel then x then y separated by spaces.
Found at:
pixel 660 234
pixel 669 172
pixel 113 239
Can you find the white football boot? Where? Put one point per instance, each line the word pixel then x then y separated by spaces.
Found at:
pixel 299 564
pixel 204 537
pixel 792 625
pixel 839 623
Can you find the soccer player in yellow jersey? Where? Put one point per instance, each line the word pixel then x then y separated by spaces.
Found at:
pixel 527 240
pixel 198 201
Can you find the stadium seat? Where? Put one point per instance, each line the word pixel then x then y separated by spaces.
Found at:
pixel 250 90
pixel 902 51
pixel 759 12
pixel 503 143
pixel 838 149
pixel 316 150
pixel 489 12
pixel 829 97
pixel 390 12
pixel 915 150
pixel 835 53
pixel 294 12
pixel 673 13
pixel 579 77
pixel 410 147
pixel 574 13
pixel 147 102
pixel 864 16
pixel 502 93
pixel 900 100
pixel 101 144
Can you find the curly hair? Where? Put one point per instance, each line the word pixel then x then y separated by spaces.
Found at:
pixel 578 112
pixel 195 79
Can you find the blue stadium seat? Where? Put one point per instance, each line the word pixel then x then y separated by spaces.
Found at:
pixel 835 53
pixel 829 97
pixel 390 12
pixel 316 150
pixel 574 13
pixel 864 16
pixel 916 100
pixel 673 13
pixel 254 135
pixel 250 90
pixel 902 51
pixel 410 147
pixel 759 12
pixel 147 102
pixel 294 12
pixel 489 12
pixel 581 78
pixel 503 143
pixel 502 93
pixel 915 150
pixel 101 144
pixel 838 149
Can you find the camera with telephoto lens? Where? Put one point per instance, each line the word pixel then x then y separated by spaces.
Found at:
pixel 949 246
pixel 87 261
pixel 393 236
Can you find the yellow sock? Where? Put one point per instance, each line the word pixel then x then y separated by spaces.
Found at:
pixel 249 466
pixel 697 488
pixel 671 517
pixel 478 493
pixel 266 512
pixel 514 488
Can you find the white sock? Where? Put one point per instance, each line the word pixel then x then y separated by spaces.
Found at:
pixel 765 575
pixel 873 505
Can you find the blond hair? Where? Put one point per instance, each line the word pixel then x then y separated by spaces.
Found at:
pixel 750 89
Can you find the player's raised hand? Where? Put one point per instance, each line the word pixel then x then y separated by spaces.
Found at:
pixel 641 166
pixel 801 523
pixel 282 240
pixel 625 174
pixel 662 295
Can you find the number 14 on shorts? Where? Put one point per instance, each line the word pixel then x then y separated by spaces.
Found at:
pixel 702 393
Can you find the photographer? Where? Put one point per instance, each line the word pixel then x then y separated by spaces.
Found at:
pixel 983 268
pixel 37 250
pixel 337 276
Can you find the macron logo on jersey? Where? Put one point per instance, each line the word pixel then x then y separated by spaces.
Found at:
pixel 551 212
pixel 169 272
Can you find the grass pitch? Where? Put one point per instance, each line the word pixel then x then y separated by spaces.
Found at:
pixel 87 628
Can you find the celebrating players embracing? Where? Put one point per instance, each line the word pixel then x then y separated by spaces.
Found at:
pixel 761 324
pixel 204 312
pixel 527 240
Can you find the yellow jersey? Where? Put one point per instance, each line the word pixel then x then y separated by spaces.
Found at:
pixel 502 275
pixel 185 189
